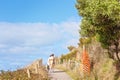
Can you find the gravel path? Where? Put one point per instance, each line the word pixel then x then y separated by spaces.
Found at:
pixel 59 75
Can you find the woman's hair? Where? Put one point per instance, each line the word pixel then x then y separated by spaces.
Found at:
pixel 52 54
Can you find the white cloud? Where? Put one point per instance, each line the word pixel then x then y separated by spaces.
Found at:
pixel 71 28
pixel 3 45
pixel 72 42
pixel 21 49
pixel 23 37
pixel 21 43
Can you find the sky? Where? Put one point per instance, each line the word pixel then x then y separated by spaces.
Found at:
pixel 34 29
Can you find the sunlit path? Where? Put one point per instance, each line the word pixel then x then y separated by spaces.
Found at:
pixel 59 75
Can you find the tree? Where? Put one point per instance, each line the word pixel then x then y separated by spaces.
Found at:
pixel 71 48
pixel 101 18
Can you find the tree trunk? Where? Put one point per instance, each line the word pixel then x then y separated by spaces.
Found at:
pixel 116 50
pixel 110 54
pixel 117 57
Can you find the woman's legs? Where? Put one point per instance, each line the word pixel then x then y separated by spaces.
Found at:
pixel 50 68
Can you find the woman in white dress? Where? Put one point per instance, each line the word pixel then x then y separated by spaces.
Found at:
pixel 51 62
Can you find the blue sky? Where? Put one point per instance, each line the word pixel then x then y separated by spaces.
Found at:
pixel 33 29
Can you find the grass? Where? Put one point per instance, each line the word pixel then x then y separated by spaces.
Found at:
pixel 21 74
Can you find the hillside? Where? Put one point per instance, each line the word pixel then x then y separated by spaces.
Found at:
pixel 102 67
pixel 34 71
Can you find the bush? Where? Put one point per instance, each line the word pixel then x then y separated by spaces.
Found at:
pixel 21 74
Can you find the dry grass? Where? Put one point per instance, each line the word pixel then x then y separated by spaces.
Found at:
pixel 22 75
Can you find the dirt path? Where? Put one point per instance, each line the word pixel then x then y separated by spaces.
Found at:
pixel 59 75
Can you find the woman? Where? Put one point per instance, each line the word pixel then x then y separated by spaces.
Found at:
pixel 51 62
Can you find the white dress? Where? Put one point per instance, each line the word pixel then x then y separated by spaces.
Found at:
pixel 50 62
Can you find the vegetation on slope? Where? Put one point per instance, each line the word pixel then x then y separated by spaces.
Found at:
pixel 21 74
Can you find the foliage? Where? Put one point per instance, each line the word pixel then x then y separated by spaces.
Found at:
pixel 15 75
pixel 70 55
pixel 84 41
pixel 20 74
pixel 71 48
pixel 101 18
